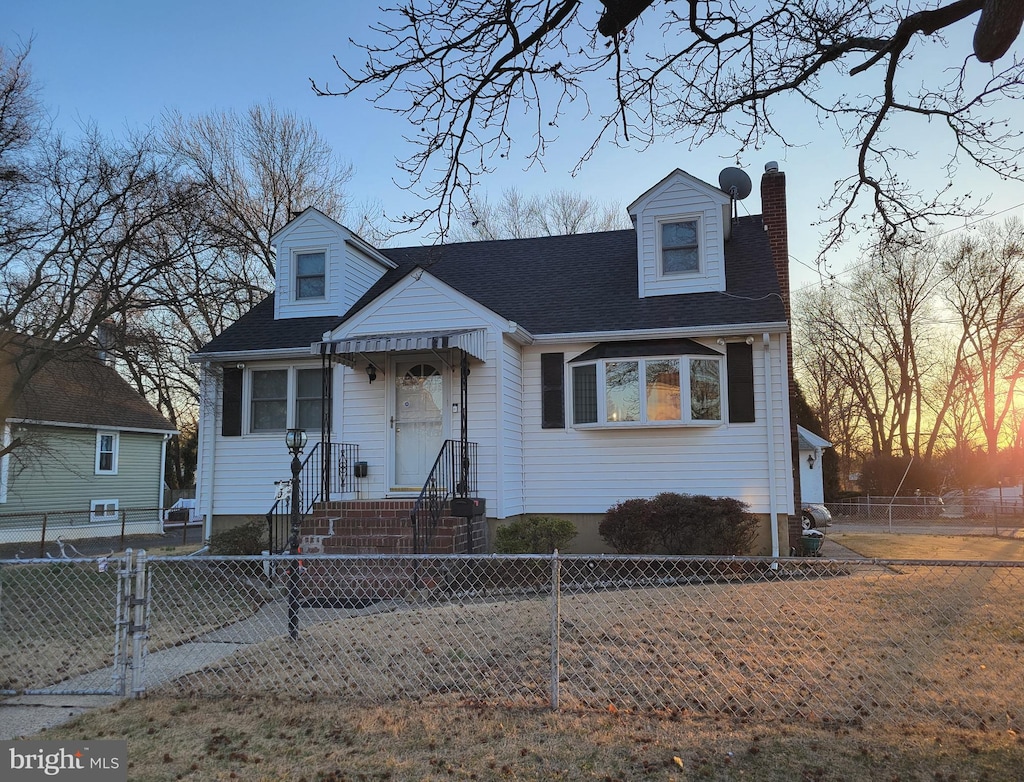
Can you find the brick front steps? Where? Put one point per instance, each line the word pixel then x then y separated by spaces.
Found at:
pixel 369 528
pixel 375 527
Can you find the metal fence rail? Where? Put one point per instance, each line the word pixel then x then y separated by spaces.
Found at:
pixel 36 535
pixel 842 641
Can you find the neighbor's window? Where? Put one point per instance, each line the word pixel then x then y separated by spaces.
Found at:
pixel 308 404
pixel 269 400
pixel 680 248
pixel 106 453
pixel 680 390
pixel 103 510
pixel 310 276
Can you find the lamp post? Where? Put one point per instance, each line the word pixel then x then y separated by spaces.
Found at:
pixel 295 439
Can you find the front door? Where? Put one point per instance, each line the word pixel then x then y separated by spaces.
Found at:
pixel 418 421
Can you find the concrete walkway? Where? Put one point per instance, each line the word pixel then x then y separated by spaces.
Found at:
pixel 22 716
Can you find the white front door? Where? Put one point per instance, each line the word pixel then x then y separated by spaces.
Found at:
pixel 418 421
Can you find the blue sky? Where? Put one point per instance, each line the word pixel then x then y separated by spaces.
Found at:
pixel 121 65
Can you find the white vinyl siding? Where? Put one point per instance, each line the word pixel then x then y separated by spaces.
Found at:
pixel 677 200
pixel 581 470
pixel 348 273
pixel 511 492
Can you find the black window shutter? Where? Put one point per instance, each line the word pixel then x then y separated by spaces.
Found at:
pixel 231 418
pixel 741 382
pixel 552 381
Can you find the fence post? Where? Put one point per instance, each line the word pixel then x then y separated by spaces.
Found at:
pixel 122 659
pixel 124 519
pixel 556 625
pixel 140 613
pixel 42 539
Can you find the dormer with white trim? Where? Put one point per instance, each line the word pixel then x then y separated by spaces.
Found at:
pixel 681 226
pixel 322 267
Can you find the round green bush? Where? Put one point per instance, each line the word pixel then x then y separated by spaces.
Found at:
pixel 534 535
pixel 244 540
pixel 680 524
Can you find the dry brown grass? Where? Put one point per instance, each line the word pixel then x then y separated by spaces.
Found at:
pixel 327 739
pixel 872 673
pixel 915 546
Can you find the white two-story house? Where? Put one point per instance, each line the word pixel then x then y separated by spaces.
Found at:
pixel 573 372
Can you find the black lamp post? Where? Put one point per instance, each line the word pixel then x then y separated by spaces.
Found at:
pixel 295 439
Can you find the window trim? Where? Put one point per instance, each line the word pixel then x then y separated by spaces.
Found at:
pixel 115 451
pixel 291 398
pixel 660 222
pixel 111 516
pixel 686 408
pixel 298 253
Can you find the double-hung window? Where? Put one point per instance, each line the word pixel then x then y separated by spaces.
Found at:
pixel 648 391
pixel 310 275
pixel 680 246
pixel 106 453
pixel 284 398
pixel 269 400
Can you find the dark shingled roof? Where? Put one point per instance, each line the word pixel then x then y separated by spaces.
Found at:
pixel 75 387
pixel 552 285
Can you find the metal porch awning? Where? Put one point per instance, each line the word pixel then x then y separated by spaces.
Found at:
pixel 472 341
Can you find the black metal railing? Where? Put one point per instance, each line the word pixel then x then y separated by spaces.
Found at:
pixel 325 472
pixel 453 475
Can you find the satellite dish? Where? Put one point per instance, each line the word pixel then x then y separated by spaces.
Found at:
pixel 735 182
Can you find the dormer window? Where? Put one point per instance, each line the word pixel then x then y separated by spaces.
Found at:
pixel 310 275
pixel 680 245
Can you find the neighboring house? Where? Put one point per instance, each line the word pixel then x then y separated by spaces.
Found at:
pixel 812 485
pixel 587 369
pixel 91 447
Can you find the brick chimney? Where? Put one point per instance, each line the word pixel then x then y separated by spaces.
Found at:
pixel 773 217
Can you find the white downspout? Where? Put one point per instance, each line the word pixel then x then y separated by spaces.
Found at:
pixel 770 422
pixel 204 465
pixel 163 472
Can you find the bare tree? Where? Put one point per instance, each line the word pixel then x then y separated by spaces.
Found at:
pixel 256 171
pixel 692 71
pixel 82 239
pixel 986 291
pixel 517 216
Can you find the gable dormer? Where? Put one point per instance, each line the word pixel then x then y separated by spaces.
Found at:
pixel 322 267
pixel 681 227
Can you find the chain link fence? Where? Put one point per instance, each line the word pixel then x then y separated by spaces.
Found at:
pixel 59 533
pixel 988 514
pixel 840 641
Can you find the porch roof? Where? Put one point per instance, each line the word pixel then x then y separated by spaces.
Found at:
pixel 473 341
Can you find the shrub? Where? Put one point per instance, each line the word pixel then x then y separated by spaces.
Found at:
pixel 626 528
pixel 680 524
pixel 535 535
pixel 245 539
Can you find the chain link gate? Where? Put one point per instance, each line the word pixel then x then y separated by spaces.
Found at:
pixel 73 626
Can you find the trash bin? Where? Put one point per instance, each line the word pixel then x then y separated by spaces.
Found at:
pixel 812 540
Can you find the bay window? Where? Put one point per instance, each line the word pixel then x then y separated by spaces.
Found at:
pixel 680 390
